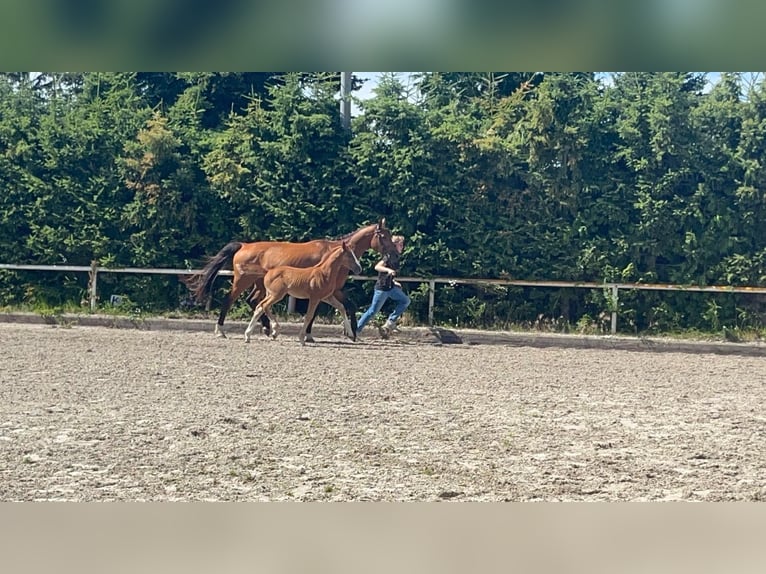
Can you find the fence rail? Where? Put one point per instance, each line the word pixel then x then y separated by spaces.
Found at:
pixel 614 288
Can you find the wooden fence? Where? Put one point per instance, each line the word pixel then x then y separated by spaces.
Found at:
pixel 613 288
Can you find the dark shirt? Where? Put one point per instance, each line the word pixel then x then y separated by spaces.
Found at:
pixel 385 281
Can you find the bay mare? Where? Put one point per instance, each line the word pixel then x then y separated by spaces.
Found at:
pixel 251 261
pixel 316 283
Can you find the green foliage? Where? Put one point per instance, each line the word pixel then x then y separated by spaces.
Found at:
pixel 644 178
pixel 282 164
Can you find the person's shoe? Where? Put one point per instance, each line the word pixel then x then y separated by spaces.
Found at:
pixel 387 328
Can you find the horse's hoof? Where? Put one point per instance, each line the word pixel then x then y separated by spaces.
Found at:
pixel 308 339
pixel 220 334
pixel 266 331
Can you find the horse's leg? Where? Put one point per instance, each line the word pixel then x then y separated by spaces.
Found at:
pixel 259 310
pixel 313 304
pixel 350 308
pixel 264 308
pixel 347 325
pixel 348 311
pixel 274 324
pixel 311 322
pixel 310 318
pixel 309 336
pixel 256 295
pixel 238 285
pixel 299 303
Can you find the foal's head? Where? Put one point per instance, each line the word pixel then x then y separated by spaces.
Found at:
pixel 348 259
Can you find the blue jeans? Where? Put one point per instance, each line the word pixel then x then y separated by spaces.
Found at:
pixel 378 299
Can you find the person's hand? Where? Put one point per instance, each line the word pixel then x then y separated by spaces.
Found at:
pixel 397 284
pixel 392 273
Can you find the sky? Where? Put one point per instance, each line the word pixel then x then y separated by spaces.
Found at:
pixel 366 89
pixel 372 77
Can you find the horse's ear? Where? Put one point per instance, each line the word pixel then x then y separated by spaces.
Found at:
pixel 382 223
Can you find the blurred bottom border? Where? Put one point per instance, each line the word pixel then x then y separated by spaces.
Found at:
pixel 383 537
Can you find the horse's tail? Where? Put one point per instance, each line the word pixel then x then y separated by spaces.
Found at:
pixel 201 285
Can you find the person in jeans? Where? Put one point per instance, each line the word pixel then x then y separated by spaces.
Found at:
pixel 386 287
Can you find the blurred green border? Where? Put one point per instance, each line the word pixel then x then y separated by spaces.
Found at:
pixel 91 35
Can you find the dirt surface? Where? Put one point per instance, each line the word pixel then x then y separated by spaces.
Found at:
pixel 92 413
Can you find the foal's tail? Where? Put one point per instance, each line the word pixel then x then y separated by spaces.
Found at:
pixel 202 284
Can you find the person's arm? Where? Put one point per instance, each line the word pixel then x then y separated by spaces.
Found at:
pixel 381 267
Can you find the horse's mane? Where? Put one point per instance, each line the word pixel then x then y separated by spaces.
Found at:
pixel 348 236
pixel 343 237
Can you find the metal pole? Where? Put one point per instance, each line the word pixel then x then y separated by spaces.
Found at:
pixel 431 290
pixel 93 287
pixel 614 309
pixel 345 100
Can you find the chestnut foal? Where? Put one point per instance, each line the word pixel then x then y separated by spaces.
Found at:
pixel 317 283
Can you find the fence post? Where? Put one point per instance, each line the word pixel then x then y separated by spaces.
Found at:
pixel 93 285
pixel 614 309
pixel 431 290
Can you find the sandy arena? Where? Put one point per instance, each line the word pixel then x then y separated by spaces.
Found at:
pixel 92 413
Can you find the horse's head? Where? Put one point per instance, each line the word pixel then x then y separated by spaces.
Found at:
pixel 349 259
pixel 375 236
pixel 381 237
